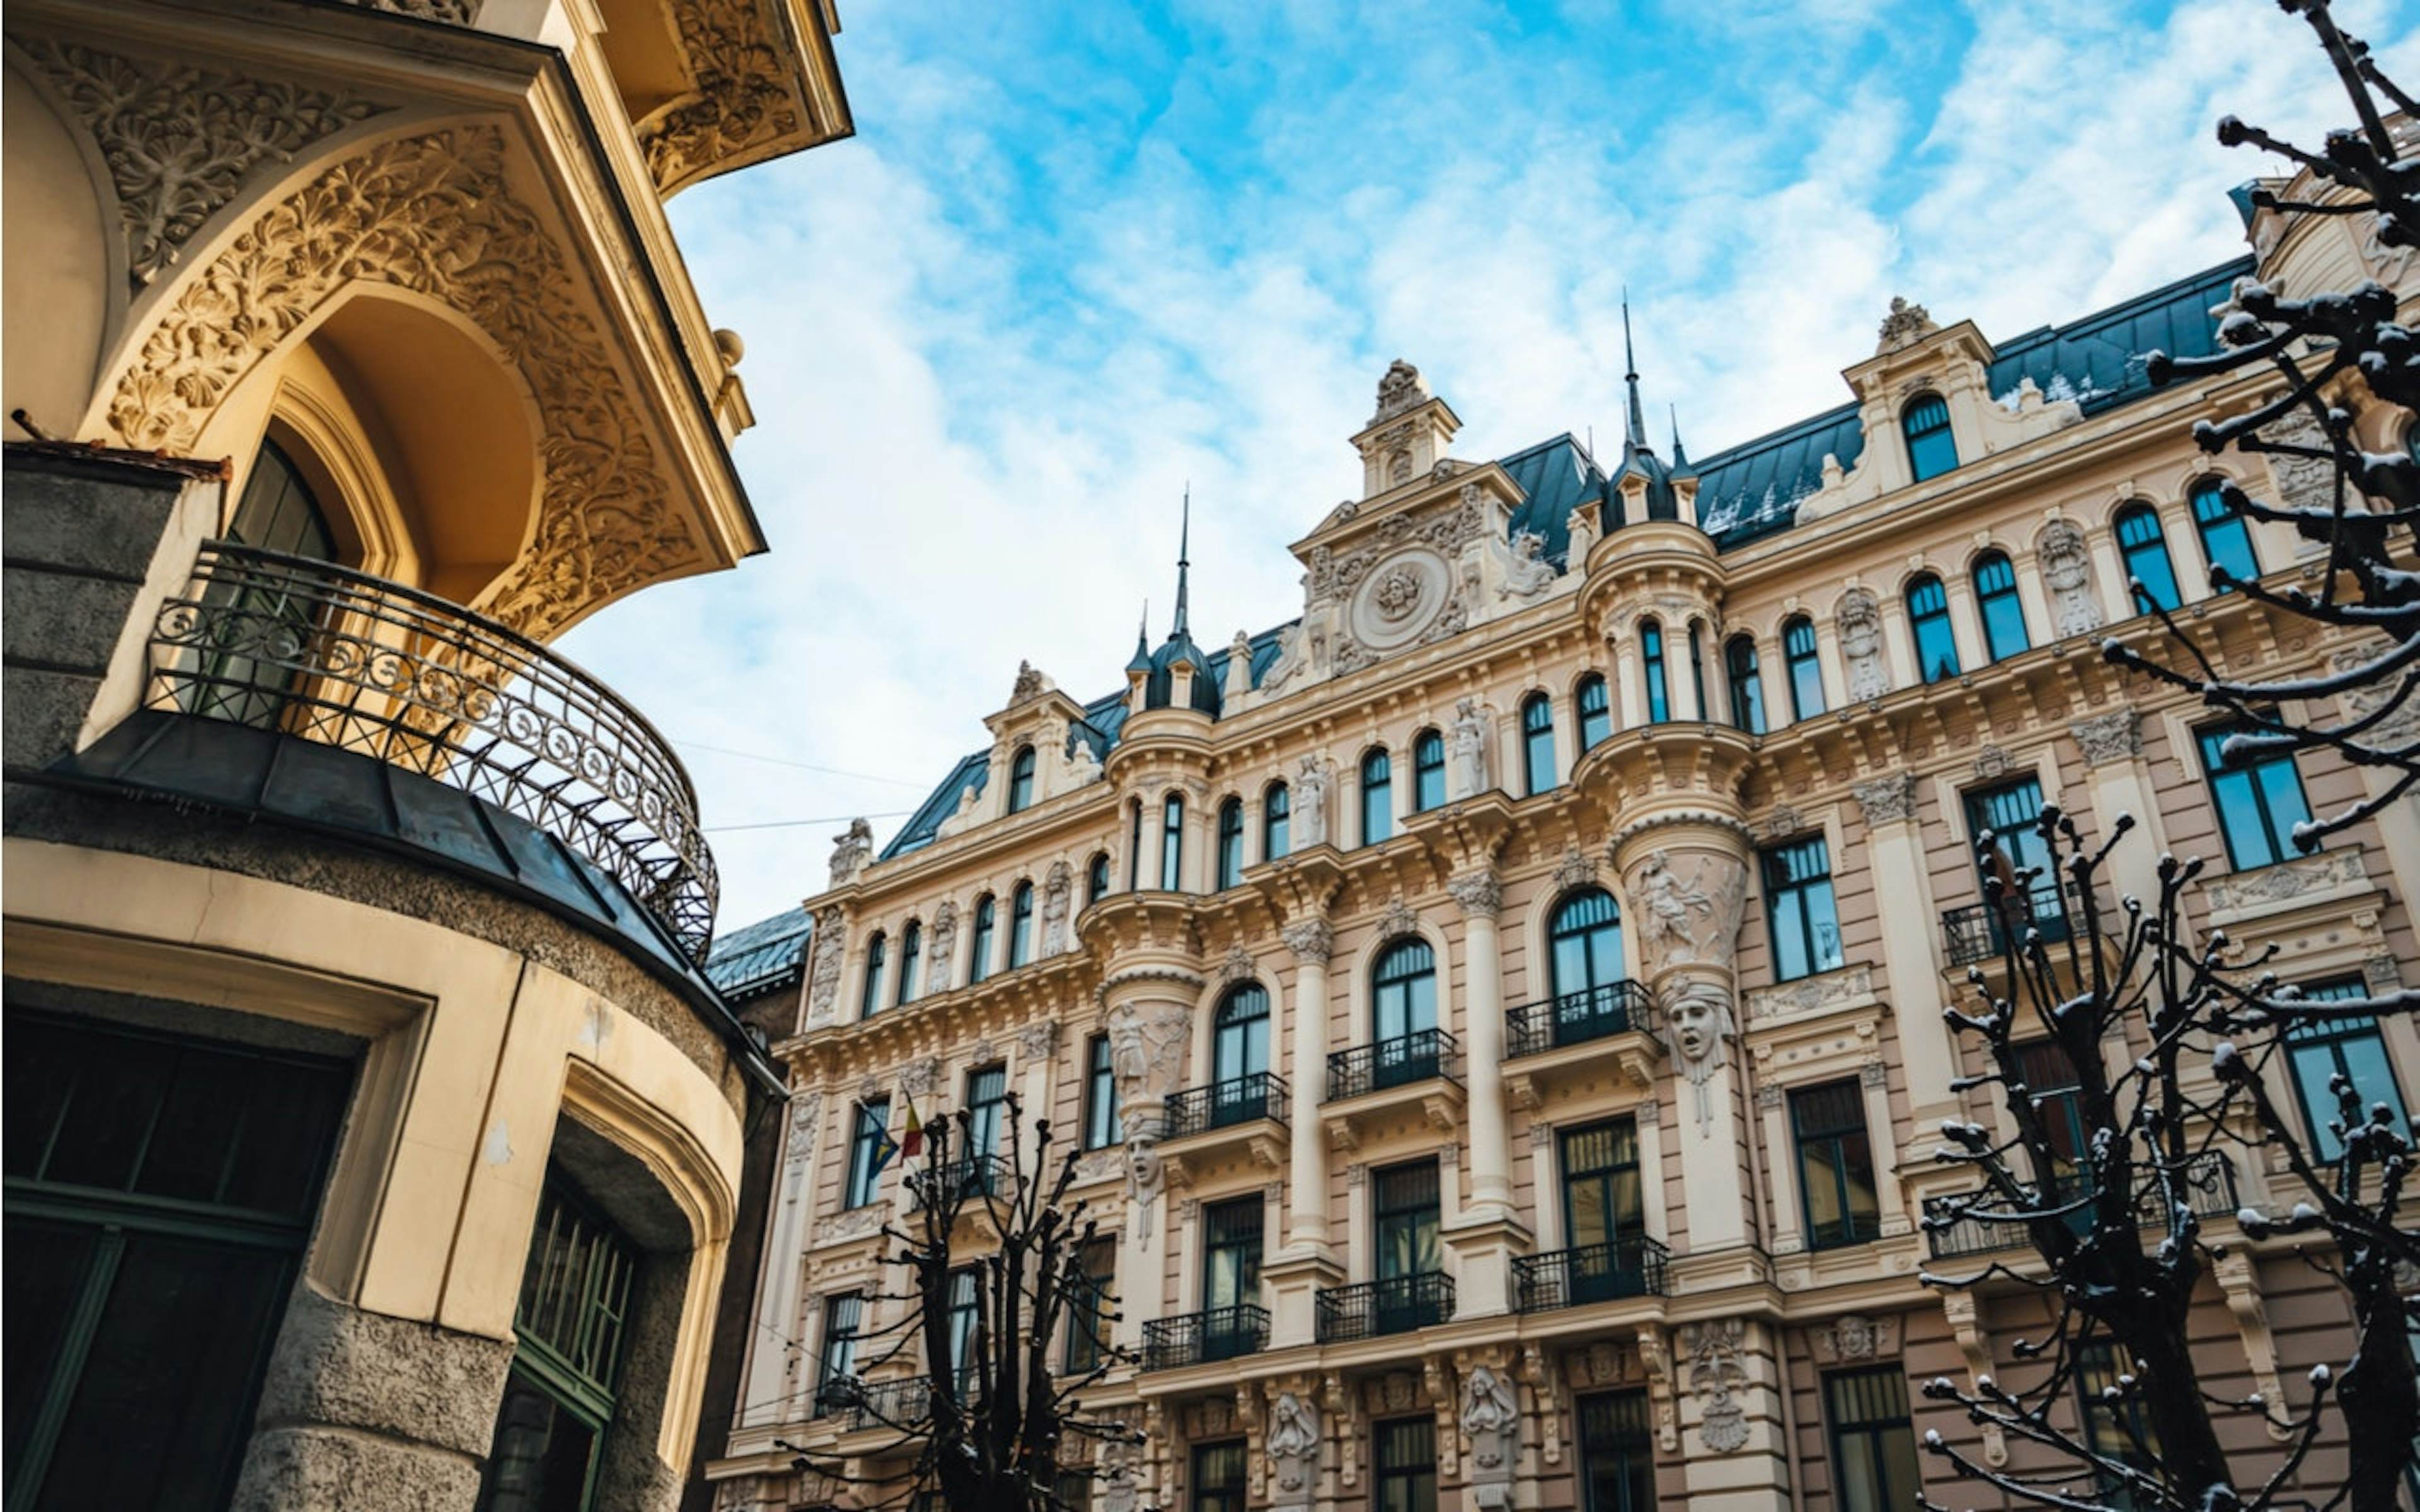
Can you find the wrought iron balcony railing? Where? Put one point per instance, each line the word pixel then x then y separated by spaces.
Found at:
pixel 975 1176
pixel 314 651
pixel 1205 1337
pixel 1224 1105
pixel 1634 1267
pixel 1397 1304
pixel 1574 1018
pixel 1963 1222
pixel 1419 1057
pixel 1980 931
pixel 871 1404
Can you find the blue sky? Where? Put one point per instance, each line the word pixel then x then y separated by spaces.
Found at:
pixel 1082 253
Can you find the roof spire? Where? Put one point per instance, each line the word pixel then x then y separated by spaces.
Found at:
pixel 1680 457
pixel 1638 422
pixel 1184 568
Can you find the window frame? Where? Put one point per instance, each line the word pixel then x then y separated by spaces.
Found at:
pixel 1652 674
pixel 1746 684
pixel 1428 770
pixel 1021 779
pixel 1930 629
pixel 869 1130
pixel 1538 744
pixel 869 990
pixel 1593 702
pixel 1171 842
pixel 1377 792
pixel 2165 590
pixel 1887 1454
pixel 1020 924
pixel 983 938
pixel 2207 501
pixel 1804 669
pixel 1846 1137
pixel 1406 1487
pixel 1778 886
pixel 1230 844
pixel 1097 878
pixel 2000 607
pixel 1104 1123
pixel 2331 1035
pixel 1276 822
pixel 2251 780
pixel 911 953
pixel 1924 425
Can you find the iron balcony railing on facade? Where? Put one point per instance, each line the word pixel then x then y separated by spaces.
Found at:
pixel 1634 1267
pixel 1205 1337
pixel 871 1404
pixel 1224 1105
pixel 1957 1221
pixel 1574 1018
pixel 1980 931
pixel 1421 1056
pixel 974 1175
pixel 1397 1304
pixel 320 653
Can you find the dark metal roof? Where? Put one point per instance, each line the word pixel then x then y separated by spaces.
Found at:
pixel 761 957
pixel 234 768
pixel 1556 477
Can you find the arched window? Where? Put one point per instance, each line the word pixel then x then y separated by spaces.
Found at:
pixel 1996 596
pixel 1928 613
pixel 2145 551
pixel 1651 654
pixel 1537 743
pixel 986 921
pixel 1231 843
pixel 869 997
pixel 1377 799
pixel 2224 539
pixel 1596 710
pixel 1240 1038
pixel 1171 844
pixel 1020 779
pixel 1276 822
pixel 278 511
pixel 1133 846
pixel 1097 878
pixel 911 949
pixel 1021 925
pixel 1585 965
pixel 1932 450
pixel 1697 671
pixel 1805 668
pixel 1404 1013
pixel 1748 685
pixel 1428 771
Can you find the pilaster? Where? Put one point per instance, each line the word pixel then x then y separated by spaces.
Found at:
pixel 1895 855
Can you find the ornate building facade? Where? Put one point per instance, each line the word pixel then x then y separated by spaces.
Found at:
pixel 1503 1008
pixel 376 1135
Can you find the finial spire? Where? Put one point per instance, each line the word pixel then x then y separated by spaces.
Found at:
pixel 1680 457
pixel 1183 567
pixel 1637 431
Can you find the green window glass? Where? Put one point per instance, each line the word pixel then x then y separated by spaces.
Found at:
pixel 159 1196
pixel 1021 925
pixel 2321 1051
pixel 1651 654
pixel 1230 1277
pixel 1596 710
pixel 1800 917
pixel 1747 686
pixel 1928 613
pixel 1931 448
pixel 1836 1165
pixel 1538 743
pixel 1230 844
pixel 911 952
pixel 869 1001
pixel 1377 799
pixel 986 927
pixel 1403 1454
pixel 965 1323
pixel 1020 779
pixel 2145 551
pixel 2225 541
pixel 1089 1322
pixel 1428 771
pixel 1874 1446
pixel 1403 1201
pixel 1616 1453
pixel 1805 667
pixel 2004 613
pixel 1101 1125
pixel 1219 1477
pixel 568 1357
pixel 868 1144
pixel 2258 798
pixel 278 512
pixel 1171 844
pixel 1602 1217
pixel 1276 823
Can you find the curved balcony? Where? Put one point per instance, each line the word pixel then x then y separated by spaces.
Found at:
pixel 313 652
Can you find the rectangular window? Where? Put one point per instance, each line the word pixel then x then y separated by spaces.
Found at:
pixel 2052 1076
pixel 1596 711
pixel 1404 1450
pixel 842 1316
pixel 966 1317
pixel 1616 1453
pixel 1378 800
pixel 1171 844
pixel 2259 801
pixel 2119 1429
pixel 1404 1199
pixel 1089 1309
pixel 869 1148
pixel 1102 1125
pixel 1231 1276
pixel 1602 1217
pixel 1799 916
pixel 1805 668
pixel 1836 1165
pixel 1873 1447
pixel 1428 771
pixel 986 1100
pixel 1219 1477
pixel 2321 1051
pixel 1651 653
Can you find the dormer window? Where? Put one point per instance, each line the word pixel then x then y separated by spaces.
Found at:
pixel 1932 450
pixel 1020 779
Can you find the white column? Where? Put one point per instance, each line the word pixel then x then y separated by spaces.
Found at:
pixel 1872 1080
pixel 1836 673
pixel 1651 1181
pixel 2109 577
pixel 1895 854
pixel 1311 941
pixel 1491 1156
pixel 771 1388
pixel 1630 703
pixel 1773 1111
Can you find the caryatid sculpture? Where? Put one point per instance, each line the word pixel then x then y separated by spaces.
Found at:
pixel 1293 1447
pixel 1469 746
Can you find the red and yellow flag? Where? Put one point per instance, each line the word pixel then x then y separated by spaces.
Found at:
pixel 911 1139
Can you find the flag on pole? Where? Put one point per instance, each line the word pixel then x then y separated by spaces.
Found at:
pixel 911 1139
pixel 884 1147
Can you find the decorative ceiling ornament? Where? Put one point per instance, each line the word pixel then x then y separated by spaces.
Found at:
pixel 179 141
pixel 433 214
